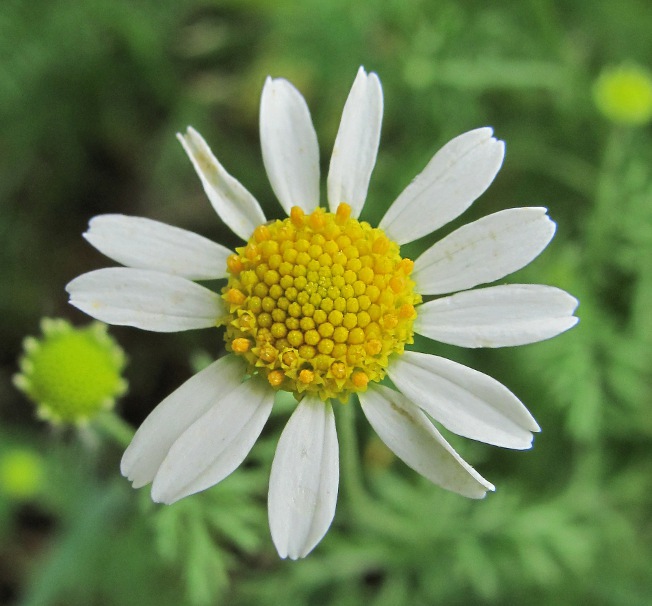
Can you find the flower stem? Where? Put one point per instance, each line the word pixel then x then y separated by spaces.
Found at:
pixel 608 203
pixel 366 515
pixel 110 425
pixel 350 457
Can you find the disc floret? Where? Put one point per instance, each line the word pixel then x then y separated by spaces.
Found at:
pixel 319 302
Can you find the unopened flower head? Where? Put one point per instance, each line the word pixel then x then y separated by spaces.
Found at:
pixel 71 373
pixel 324 305
pixel 623 94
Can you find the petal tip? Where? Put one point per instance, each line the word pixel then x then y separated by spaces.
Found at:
pixel 191 139
pixel 485 132
pixel 163 495
pixel 138 483
pixel 156 498
pixel 130 472
pixel 549 219
pixel 527 444
pixel 368 77
pixel 93 221
pixel 485 487
pixel 532 427
pixel 499 144
pixel 272 85
pixel 87 235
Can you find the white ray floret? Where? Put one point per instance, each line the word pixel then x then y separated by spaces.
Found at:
pixel 414 440
pixel 457 174
pixel 304 479
pixel 145 244
pixel 231 201
pixel 215 444
pixel 498 316
pixel 175 414
pixel 289 144
pixel 483 251
pixel 463 400
pixel 356 145
pixel 145 299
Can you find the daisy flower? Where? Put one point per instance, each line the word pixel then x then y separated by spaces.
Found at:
pixel 323 305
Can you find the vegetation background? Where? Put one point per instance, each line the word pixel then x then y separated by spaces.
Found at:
pixel 91 95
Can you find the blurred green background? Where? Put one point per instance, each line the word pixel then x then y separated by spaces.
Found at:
pixel 92 93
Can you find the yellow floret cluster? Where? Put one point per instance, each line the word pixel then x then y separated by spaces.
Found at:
pixel 319 302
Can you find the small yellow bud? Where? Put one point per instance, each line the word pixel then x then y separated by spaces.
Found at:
pixel 360 379
pixel 275 378
pixel 240 345
pixel 343 213
pixel 235 297
pixel 338 369
pixel 233 264
pixel 261 233
pixel 297 216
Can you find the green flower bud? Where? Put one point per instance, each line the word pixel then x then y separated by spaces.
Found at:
pixel 71 373
pixel 21 473
pixel 624 94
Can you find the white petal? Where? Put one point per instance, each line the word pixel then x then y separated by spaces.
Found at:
pixel 304 479
pixel 289 144
pixel 146 244
pixel 457 174
pixel 145 299
pixel 231 201
pixel 499 316
pixel 175 414
pixel 356 144
pixel 216 443
pixel 414 440
pixel 463 400
pixel 483 251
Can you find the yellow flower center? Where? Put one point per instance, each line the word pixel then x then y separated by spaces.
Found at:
pixel 319 302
